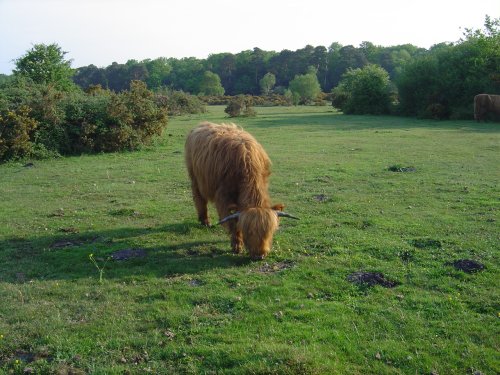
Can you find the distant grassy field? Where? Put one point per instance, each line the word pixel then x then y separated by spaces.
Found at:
pixel 400 197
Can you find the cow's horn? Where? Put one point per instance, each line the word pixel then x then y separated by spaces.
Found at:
pixel 230 217
pixel 284 214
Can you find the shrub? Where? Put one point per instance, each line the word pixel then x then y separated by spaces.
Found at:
pixel 134 119
pixel 240 106
pixel 179 103
pixel 16 130
pixel 39 120
pixel 305 88
pixel 87 119
pixel 364 90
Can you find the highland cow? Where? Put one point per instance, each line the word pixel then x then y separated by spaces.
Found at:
pixel 484 104
pixel 229 167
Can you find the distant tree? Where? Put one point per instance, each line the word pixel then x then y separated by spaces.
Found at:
pixel 305 87
pixel 158 71
pixel 443 82
pixel 90 75
pixel 363 91
pixel 186 75
pixel 46 64
pixel 4 79
pixel 343 59
pixel 211 84
pixel 267 83
pixel 117 77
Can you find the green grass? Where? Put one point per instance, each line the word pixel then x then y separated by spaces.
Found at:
pixel 191 306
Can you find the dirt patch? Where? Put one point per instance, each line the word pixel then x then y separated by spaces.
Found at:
pixel 61 244
pixel 125 212
pixel 371 279
pixel 320 197
pixel 69 230
pixel 400 168
pixel 467 265
pixel 195 282
pixel 423 243
pixel 128 254
pixel 276 267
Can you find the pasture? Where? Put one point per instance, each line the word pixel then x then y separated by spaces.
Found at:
pixel 104 268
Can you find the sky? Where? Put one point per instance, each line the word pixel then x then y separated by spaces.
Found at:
pixel 100 32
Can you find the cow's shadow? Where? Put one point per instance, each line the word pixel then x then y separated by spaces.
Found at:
pixel 67 256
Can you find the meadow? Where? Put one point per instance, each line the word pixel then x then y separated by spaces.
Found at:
pixel 105 270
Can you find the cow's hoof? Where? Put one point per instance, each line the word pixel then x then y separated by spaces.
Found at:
pixel 237 249
pixel 257 257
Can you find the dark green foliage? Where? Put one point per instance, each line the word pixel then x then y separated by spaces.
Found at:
pixel 443 82
pixel 178 102
pixel 363 91
pixel 16 130
pixel 38 120
pixel 240 106
pixel 134 119
pixel 86 119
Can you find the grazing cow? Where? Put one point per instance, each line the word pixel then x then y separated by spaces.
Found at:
pixel 485 103
pixel 229 167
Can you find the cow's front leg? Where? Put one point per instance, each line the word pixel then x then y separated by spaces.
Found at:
pixel 236 240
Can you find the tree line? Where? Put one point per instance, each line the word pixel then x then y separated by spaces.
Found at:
pixel 49 108
pixel 438 82
pixel 241 73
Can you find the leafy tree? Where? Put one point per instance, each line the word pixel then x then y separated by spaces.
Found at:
pixel 211 84
pixel 158 71
pixel 363 91
pixel 117 77
pixel 305 87
pixel 443 82
pixel 267 83
pixel 46 64
pixel 5 79
pixel 343 59
pixel 87 76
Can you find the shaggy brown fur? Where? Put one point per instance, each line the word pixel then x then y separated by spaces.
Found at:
pixel 485 103
pixel 229 167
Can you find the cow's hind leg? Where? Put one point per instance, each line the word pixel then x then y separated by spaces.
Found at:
pixel 201 205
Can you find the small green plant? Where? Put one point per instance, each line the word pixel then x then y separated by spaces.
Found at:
pixel 407 256
pixel 99 268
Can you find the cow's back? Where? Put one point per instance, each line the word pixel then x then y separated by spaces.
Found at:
pixel 225 157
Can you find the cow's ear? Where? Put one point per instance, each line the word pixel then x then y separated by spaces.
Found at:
pixel 278 207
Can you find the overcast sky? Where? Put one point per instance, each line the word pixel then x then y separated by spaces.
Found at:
pixel 102 31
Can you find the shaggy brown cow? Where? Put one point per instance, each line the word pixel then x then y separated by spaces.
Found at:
pixel 229 167
pixel 484 103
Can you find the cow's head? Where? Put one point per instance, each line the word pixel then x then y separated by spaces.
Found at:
pixel 258 225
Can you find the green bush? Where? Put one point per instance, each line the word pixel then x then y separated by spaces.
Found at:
pixel 364 90
pixel 240 106
pixel 38 120
pixel 134 119
pixel 87 119
pixel 16 132
pixel 179 103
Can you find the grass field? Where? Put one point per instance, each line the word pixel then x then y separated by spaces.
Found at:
pixel 402 197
